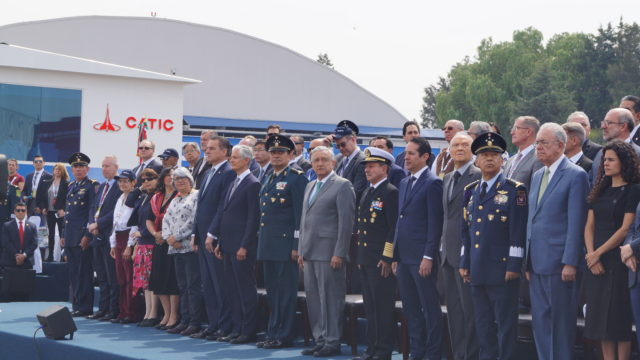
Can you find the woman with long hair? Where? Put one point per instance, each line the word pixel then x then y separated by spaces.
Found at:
pixel 162 280
pixel 54 203
pixel 612 206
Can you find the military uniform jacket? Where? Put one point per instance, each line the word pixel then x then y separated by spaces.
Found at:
pixel 80 198
pixel 494 230
pixel 8 203
pixel 281 199
pixel 377 218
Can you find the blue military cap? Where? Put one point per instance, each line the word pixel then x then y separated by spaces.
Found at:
pixel 126 174
pixel 277 142
pixel 489 142
pixel 346 128
pixel 373 154
pixel 79 158
pixel 168 153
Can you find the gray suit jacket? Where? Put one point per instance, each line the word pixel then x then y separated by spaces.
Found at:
pixel 450 243
pixel 525 169
pixel 326 224
pixel 354 173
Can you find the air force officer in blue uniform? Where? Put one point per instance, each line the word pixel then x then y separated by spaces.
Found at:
pixel 493 239
pixel 555 244
pixel 281 199
pixel 417 240
pixel 80 198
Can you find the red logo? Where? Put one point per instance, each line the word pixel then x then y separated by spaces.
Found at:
pixel 152 123
pixel 106 125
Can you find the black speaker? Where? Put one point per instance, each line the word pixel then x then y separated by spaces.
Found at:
pixel 18 282
pixel 57 322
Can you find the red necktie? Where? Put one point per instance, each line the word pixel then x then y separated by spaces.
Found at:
pixel 21 229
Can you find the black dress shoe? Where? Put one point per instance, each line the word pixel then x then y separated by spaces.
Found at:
pixel 312 350
pixel 190 330
pixel 97 315
pixel 108 317
pixel 243 339
pixel 177 329
pixel 277 344
pixel 201 334
pixel 326 352
pixel 79 313
pixel 228 337
pixel 215 336
pixel 261 344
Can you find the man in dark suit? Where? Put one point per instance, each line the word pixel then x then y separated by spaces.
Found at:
pixel 573 149
pixel 34 186
pixel 377 217
pixel 147 160
pixel 263 159
pixel 396 173
pixel 80 198
pixel 589 148
pixel 410 130
pixel 417 240
pixel 236 245
pixel 211 194
pixel 202 165
pixel 632 103
pixel 101 227
pixel 457 293
pixel 169 158
pixel 191 153
pixel 350 166
pixel 493 240
pixel 299 158
pixel 7 203
pixel 281 208
pixel 19 240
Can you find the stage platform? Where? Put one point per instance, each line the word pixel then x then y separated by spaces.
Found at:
pixel 96 340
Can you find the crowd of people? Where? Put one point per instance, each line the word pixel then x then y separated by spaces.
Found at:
pixel 550 228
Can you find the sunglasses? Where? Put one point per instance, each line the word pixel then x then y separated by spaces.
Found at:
pixel 448 128
pixel 20 210
pixel 148 179
pixel 299 143
pixel 144 148
pixel 38 161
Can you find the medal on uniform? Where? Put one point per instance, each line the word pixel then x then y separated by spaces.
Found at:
pixel 503 218
pixel 373 218
pixel 373 214
pixel 490 217
pixel 377 205
pixel 500 199
pixel 282 200
pixel 273 200
pixel 281 185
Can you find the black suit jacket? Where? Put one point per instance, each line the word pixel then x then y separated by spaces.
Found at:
pixel 200 171
pixel 155 164
pixel 11 243
pixel 585 163
pixel 42 188
pixel 105 217
pixel 61 199
pixel 590 149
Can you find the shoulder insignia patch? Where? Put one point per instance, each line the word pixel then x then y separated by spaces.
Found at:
pixel 471 185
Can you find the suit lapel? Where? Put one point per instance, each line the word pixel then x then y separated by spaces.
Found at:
pixel 323 189
pixel 242 184
pixel 416 187
pixel 554 181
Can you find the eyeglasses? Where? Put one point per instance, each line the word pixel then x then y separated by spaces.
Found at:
pixel 609 123
pixel 20 210
pixel 144 148
pixel 544 142
pixel 448 128
pixel 38 161
pixel 341 145
pixel 147 179
pixel 514 128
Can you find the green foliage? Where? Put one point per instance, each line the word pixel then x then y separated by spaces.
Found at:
pixel 324 60
pixel 524 76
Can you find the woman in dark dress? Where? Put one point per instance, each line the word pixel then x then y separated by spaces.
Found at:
pixel 54 203
pixel 612 206
pixel 162 280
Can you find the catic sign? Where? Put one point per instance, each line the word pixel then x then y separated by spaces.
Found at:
pixel 154 124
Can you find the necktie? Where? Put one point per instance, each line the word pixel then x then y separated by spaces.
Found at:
pixel 343 166
pixel 34 186
pixel 235 185
pixel 21 235
pixel 412 179
pixel 261 174
pixel 104 193
pixel 483 192
pixel 209 177
pixel 316 190
pixel 544 183
pixel 456 178
pixel 514 165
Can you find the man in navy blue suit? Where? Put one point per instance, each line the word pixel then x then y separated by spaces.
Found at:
pixel 235 228
pixel 493 238
pixel 34 186
pixel 555 244
pixel 214 184
pixel 417 240
pixel 78 213
pixel 19 240
pixel 101 226
pixel 396 173
pixel 410 130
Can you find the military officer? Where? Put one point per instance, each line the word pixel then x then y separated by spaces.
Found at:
pixel 281 199
pixel 377 217
pixel 493 239
pixel 80 197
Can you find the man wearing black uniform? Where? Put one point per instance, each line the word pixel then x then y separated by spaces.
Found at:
pixel 377 217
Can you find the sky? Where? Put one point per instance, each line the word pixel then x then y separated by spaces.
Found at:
pixel 394 49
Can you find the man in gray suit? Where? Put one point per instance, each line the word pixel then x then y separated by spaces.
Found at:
pixel 523 164
pixel 350 165
pixel 457 293
pixel 323 250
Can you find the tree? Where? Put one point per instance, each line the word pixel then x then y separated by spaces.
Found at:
pixel 428 114
pixel 324 60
